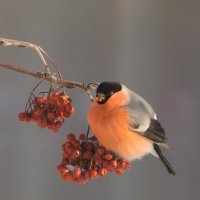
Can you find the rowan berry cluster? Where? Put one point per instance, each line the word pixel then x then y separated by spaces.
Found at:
pixel 84 160
pixel 48 111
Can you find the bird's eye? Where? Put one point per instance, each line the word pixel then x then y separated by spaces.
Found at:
pixel 111 93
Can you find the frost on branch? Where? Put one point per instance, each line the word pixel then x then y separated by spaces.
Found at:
pixel 84 160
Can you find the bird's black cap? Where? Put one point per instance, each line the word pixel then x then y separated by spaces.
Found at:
pixel 107 89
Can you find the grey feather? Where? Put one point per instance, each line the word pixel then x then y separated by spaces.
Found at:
pixel 143 118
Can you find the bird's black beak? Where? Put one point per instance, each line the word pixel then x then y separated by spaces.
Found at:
pixel 100 97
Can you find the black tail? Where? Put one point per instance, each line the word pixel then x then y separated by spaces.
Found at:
pixel 163 159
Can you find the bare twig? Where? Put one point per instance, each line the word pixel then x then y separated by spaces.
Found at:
pixel 46 75
pixel 49 77
pixel 19 69
pixel 52 61
pixel 17 43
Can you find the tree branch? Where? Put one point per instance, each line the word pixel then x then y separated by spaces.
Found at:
pixel 47 76
pixel 18 69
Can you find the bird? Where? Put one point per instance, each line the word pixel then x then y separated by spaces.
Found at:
pixel 126 124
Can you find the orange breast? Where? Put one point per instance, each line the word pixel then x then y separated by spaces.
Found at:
pixel 110 126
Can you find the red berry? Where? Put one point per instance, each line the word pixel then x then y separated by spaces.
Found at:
pixel 97 156
pixel 113 163
pixel 77 173
pixel 51 116
pixel 87 175
pixel 100 151
pixel 28 117
pixel 61 115
pixel 55 126
pixel 128 165
pixel 71 137
pixel 103 172
pixel 81 163
pixel 98 162
pixel 89 146
pixel 108 156
pixel 37 113
pixel 123 164
pixel 82 136
pixel 88 160
pixel 48 111
pixel 63 148
pixel 40 100
pixel 81 180
pixel 119 171
pixel 93 173
pixel 68 107
pixel 54 129
pixel 69 149
pixel 76 154
pixel 65 161
pixel 68 146
pixel 68 177
pixel 41 124
pixel 77 144
pixel 105 164
pixel 72 111
pixel 22 116
pixel 62 170
pixel 34 119
pixel 88 155
pixel 58 124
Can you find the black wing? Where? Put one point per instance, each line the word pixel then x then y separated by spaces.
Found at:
pixel 155 132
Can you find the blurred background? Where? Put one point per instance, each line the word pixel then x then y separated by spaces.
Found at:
pixel 151 46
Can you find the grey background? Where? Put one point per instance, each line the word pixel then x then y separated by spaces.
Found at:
pixel 151 46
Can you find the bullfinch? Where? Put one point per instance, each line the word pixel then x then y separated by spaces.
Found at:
pixel 126 124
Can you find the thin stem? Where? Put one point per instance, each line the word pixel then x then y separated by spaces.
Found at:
pixel 46 75
pixel 52 61
pixel 52 78
pixel 29 99
pixel 88 132
pixel 17 43
pixel 38 50
pixel 19 69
